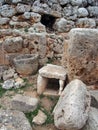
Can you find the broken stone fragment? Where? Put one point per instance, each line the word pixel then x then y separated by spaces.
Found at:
pixel 8 84
pixel 24 103
pixel 40 118
pixel 71 111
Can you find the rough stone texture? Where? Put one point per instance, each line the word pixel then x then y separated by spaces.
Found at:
pixel 81 56
pixel 21 8
pixel 93 11
pixel 92 123
pixel 4 20
pixel 26 64
pixel 64 2
pixel 7 11
pixel 53 71
pixel 63 25
pixel 8 84
pixel 2 69
pixel 35 17
pixel 76 2
pixel 19 82
pixel 40 118
pixel 82 12
pixel 72 107
pixel 94 98
pixel 7 74
pixel 50 71
pixel 13 44
pixel 24 103
pixel 86 23
pixel 13 120
pixel 18 24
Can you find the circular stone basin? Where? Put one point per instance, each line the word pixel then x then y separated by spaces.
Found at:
pixel 26 64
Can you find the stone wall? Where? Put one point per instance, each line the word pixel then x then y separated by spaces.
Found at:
pixel 36 26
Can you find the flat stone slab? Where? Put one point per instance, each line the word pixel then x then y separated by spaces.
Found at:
pixel 13 120
pixel 53 71
pixel 24 103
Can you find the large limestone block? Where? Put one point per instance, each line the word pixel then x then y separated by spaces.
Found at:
pixel 53 71
pixel 92 123
pixel 71 111
pixel 81 55
pixel 24 103
pixel 13 44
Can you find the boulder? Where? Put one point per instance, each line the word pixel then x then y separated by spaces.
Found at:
pixel 81 55
pixel 92 122
pixel 13 120
pixel 24 103
pixel 13 44
pixel 71 111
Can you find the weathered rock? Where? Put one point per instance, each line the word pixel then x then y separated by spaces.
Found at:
pixel 40 118
pixel 60 25
pixel 7 11
pixel 21 8
pixel 18 24
pixel 92 122
pixel 91 2
pixel 8 74
pixel 24 103
pixel 35 17
pixel 72 107
pixel 8 84
pixel 13 44
pixel 26 64
pixel 13 120
pixel 76 2
pixel 64 2
pixel 70 12
pixel 86 23
pixel 94 98
pixel 63 25
pixel 50 71
pixel 82 12
pixel 16 1
pixel 82 55
pixel 93 11
pixel 4 21
pixel 38 28
pixel 19 82
pixel 42 8
pixel 2 69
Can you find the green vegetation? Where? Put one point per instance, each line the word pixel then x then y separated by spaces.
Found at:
pixel 2 91
pixel 31 115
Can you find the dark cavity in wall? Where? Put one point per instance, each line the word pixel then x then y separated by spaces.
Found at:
pixel 48 21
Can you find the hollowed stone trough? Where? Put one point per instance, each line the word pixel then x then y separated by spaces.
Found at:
pixel 26 64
